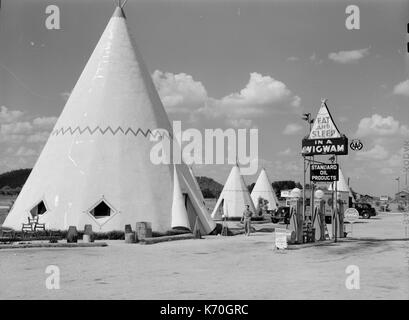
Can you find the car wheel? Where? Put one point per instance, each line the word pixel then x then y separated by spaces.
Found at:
pixel 366 215
pixel 274 220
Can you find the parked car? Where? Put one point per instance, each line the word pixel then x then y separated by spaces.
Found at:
pixel 282 214
pixel 365 210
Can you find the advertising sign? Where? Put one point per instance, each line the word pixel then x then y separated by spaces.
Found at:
pixel 285 193
pixel 324 127
pixel 324 172
pixel 356 145
pixel 351 215
pixel 281 238
pixel 337 146
pixel 324 137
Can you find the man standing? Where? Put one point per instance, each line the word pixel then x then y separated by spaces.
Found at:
pixel 246 218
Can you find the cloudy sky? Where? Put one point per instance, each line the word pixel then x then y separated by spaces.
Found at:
pixel 228 64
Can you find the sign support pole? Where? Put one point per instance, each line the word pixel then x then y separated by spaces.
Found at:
pixel 337 225
pixel 303 191
pixel 334 210
pixel 312 203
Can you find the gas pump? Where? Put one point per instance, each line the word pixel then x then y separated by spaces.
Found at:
pixel 296 216
pixel 318 218
pixel 341 233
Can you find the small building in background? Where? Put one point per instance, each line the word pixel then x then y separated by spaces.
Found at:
pixel 402 196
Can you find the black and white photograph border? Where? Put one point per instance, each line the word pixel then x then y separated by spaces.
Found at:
pixel 200 150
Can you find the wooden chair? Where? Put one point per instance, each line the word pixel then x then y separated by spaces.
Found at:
pixel 33 220
pixel 39 226
pixel 7 235
pixel 36 225
pixel 25 227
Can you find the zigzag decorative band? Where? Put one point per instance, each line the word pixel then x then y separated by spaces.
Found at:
pixel 78 130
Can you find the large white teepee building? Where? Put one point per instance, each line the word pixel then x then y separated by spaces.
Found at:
pixel 234 197
pixel 263 189
pixel 95 167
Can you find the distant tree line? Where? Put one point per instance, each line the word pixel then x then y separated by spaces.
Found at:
pixel 7 191
pixel 12 182
pixel 209 187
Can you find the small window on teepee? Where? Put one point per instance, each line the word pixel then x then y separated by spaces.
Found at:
pixel 101 210
pixel 39 209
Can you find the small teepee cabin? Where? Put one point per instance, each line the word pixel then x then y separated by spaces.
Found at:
pixel 234 197
pixel 263 189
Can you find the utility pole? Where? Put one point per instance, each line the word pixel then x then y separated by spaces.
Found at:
pixel 334 203
pixel 310 121
pixel 311 183
pixel 303 191
pixel 336 206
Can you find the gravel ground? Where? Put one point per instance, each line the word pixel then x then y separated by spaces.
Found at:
pixel 218 267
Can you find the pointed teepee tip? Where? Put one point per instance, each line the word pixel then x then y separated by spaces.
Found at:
pixel 119 12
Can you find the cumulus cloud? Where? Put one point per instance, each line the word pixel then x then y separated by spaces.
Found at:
pixel 16 128
pixel 378 152
pixel 376 125
pixel 22 139
pixel 351 56
pixel 26 152
pixel 38 137
pixel 45 122
pixel 32 131
pixel 262 94
pixel 385 164
pixel 7 115
pixel 179 92
pixel 402 88
pixel 292 128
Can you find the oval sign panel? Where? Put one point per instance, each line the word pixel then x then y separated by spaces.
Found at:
pixel 351 215
pixel 356 144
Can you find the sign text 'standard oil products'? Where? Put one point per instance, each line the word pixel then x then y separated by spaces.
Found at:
pixel 324 172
